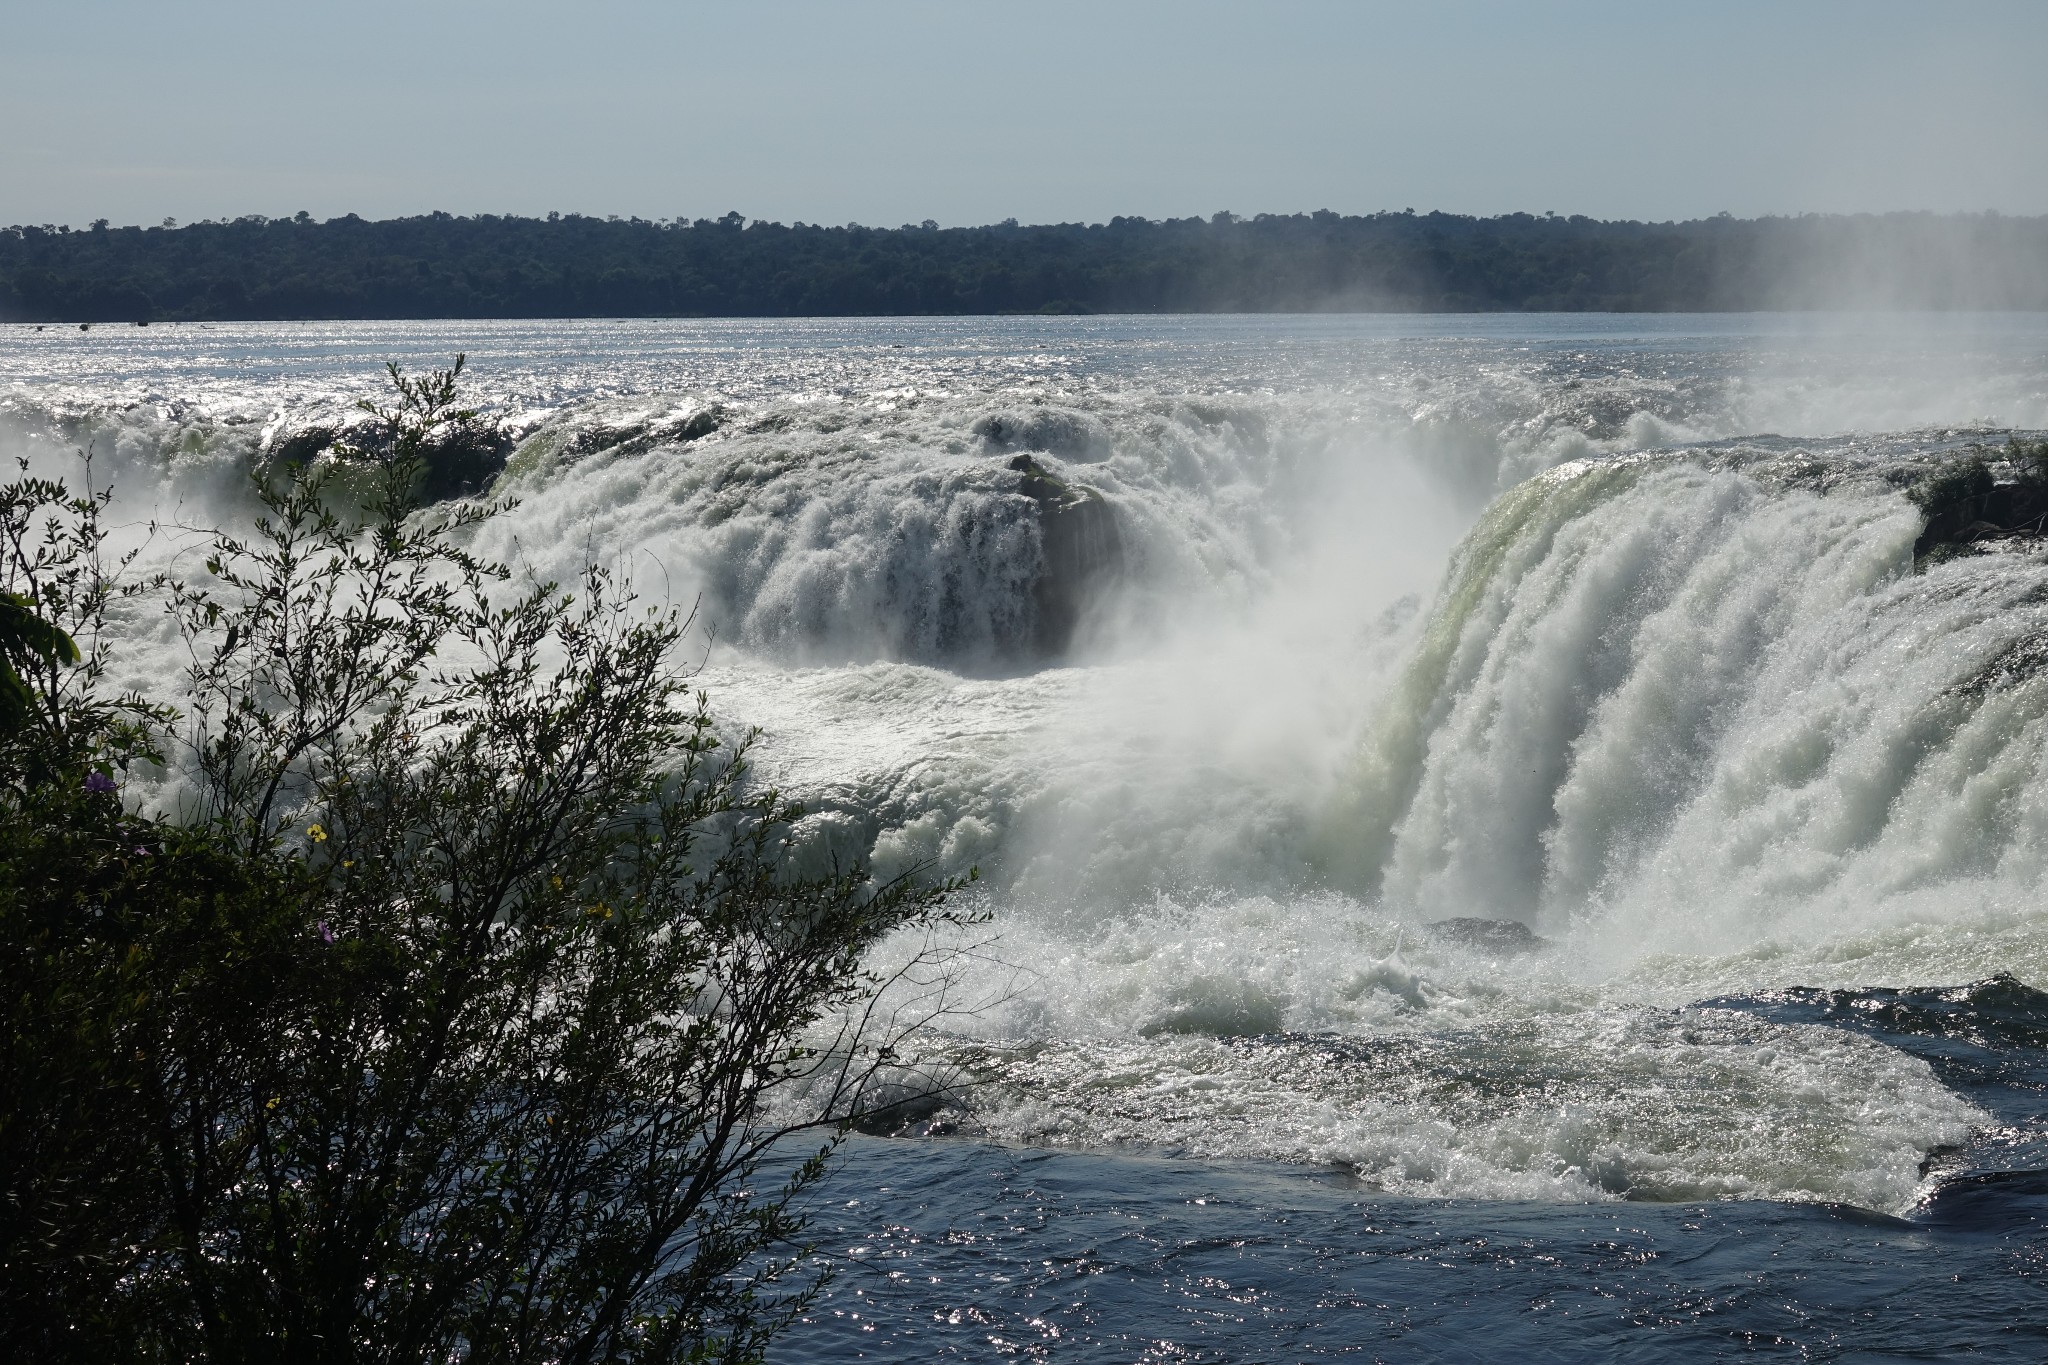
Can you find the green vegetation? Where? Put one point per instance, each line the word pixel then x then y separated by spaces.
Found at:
pixel 573 266
pixel 1982 495
pixel 441 1017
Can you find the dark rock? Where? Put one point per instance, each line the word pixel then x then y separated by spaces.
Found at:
pixel 464 458
pixel 461 459
pixel 1083 550
pixel 1506 936
pixel 1967 503
pixel 303 444
pixel 632 438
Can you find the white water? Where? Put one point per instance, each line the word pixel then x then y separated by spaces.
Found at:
pixel 1679 703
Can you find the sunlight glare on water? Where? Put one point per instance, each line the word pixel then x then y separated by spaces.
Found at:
pixel 1602 631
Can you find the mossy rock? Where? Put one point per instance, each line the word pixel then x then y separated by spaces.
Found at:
pixel 1968 500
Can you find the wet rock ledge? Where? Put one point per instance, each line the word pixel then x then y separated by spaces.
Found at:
pixel 1083 548
pixel 461 458
pixel 1981 497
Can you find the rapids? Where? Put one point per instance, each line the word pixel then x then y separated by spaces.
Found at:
pixel 1606 627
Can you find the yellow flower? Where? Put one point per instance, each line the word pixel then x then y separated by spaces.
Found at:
pixel 319 835
pixel 557 882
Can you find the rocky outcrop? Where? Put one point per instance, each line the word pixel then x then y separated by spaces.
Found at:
pixel 640 432
pixel 1507 937
pixel 461 459
pixel 1982 497
pixel 1083 550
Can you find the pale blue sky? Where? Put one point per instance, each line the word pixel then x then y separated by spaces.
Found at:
pixel 887 113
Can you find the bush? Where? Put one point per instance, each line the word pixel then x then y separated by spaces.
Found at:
pixel 1957 483
pixel 440 1015
pixel 2029 462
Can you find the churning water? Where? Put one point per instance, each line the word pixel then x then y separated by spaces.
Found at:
pixel 1490 842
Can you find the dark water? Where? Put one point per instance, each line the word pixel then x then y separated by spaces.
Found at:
pixel 970 1251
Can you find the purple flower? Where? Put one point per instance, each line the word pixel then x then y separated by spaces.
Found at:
pixel 99 783
pixel 326 934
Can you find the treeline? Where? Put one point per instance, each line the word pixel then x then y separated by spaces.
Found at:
pixel 488 266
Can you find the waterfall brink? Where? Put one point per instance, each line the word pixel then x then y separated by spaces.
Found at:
pixel 1470 753
pixel 1702 701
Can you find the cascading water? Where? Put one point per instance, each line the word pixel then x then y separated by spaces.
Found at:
pixel 1499 759
pixel 1705 700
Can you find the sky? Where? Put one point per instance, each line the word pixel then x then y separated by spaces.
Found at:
pixel 897 111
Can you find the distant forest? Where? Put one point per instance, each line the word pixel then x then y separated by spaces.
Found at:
pixel 488 266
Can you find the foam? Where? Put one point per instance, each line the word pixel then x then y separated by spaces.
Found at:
pixel 1413 627
pixel 1298 1030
